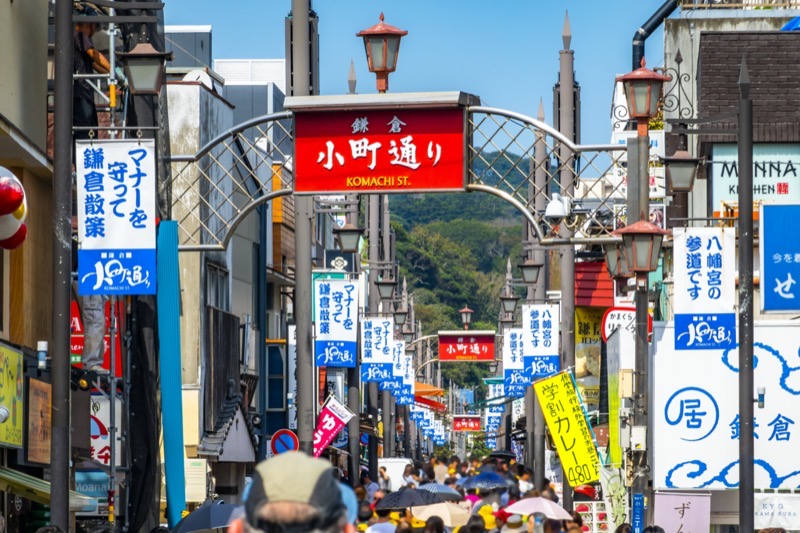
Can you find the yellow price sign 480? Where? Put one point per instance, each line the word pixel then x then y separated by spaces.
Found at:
pixel 571 433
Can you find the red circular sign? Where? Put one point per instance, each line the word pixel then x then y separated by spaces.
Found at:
pixel 284 440
pixel 621 317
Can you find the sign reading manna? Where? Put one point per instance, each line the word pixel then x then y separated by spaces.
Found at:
pixel 385 150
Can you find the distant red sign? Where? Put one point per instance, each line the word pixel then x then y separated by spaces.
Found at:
pixel 466 422
pixel 466 346
pixel 394 150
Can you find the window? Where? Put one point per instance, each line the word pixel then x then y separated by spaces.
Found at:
pixel 217 290
pixel 276 395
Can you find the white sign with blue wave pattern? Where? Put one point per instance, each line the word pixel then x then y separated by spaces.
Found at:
pixel 696 405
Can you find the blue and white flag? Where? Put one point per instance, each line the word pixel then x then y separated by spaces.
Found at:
pixel 377 354
pixel 116 182
pixel 514 377
pixel 336 312
pixel 405 396
pixel 705 286
pixel 780 258
pixel 541 325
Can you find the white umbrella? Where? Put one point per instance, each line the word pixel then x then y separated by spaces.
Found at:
pixel 539 505
pixel 451 514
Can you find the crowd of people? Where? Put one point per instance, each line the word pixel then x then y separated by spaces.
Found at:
pixel 293 492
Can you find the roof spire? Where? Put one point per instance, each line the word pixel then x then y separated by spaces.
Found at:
pixel 566 34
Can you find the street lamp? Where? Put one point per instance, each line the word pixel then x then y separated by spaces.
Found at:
pixel 641 243
pixel 530 271
pixel 348 237
pixel 382 44
pixel 386 287
pixel 643 91
pixel 466 316
pixel 400 314
pixel 681 171
pixel 616 264
pixel 144 68
pixel 509 300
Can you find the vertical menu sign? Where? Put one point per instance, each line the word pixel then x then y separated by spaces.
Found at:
pixel 116 182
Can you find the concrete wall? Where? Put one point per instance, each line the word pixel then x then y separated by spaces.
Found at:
pixel 23 82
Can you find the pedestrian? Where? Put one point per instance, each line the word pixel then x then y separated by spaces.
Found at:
pixel 434 524
pixel 653 529
pixel 475 524
pixel 370 486
pixel 383 522
pixel 384 480
pixel 577 521
pixel 513 524
pixel 294 492
pixel 365 514
pixel 408 476
pixel 440 471
pixel 86 59
pixel 624 528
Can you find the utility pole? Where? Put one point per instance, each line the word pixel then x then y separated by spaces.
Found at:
pixel 373 228
pixel 566 80
pixel 537 293
pixel 301 63
pixel 61 451
pixel 386 396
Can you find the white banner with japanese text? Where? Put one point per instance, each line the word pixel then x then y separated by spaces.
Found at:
pixel 540 325
pixel 335 314
pixel 705 287
pixel 515 380
pixel 116 184
pixel 377 349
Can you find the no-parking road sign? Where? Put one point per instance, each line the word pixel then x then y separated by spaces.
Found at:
pixel 284 440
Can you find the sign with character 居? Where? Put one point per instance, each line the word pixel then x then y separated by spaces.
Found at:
pixel 780 258
pixel 116 183
pixel 704 288
pixel 336 312
pixel 385 150
pixel 515 380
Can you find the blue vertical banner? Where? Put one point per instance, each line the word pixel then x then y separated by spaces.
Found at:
pixel 377 354
pixel 116 184
pixel 780 258
pixel 405 394
pixel 336 321
pixel 514 377
pixel 395 383
pixel 705 288
pixel 637 520
pixel 540 325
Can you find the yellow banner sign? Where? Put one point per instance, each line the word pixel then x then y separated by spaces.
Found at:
pixel 571 433
pixel 11 396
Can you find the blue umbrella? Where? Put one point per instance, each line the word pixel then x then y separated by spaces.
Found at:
pixel 792 25
pixel 486 481
pixel 446 493
pixel 208 516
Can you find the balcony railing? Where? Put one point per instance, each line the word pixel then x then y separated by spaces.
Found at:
pixel 740 4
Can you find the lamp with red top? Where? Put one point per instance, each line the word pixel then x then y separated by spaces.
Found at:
pixel 382 45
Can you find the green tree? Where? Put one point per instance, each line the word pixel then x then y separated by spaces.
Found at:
pixel 479 446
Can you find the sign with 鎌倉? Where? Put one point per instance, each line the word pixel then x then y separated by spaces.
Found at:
pixel 780 258
pixel 775 172
pixel 384 150
pixel 704 288
pixel 696 418
pixel 466 345
pixel 540 325
pixel 515 380
pixel 116 182
pixel 466 422
pixel 571 432
pixel 336 313
pixel 377 349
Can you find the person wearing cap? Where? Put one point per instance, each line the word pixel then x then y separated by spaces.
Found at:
pixel 514 523
pixel 294 493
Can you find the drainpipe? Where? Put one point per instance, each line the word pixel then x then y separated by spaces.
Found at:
pixel 649 27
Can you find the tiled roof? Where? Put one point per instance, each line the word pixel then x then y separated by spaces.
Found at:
pixel 211 444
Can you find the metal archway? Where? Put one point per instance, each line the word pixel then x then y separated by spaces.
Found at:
pixel 511 156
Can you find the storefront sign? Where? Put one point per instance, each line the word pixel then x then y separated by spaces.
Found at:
pixel 776 510
pixel 571 432
pixel 683 512
pixel 705 288
pixel 696 418
pixel 515 379
pixel 780 258
pixel 39 411
pixel 466 345
pixel 335 320
pixel 775 173
pixel 390 150
pixel 116 182
pixel 377 353
pixel 466 422
pixel 100 429
pixel 332 418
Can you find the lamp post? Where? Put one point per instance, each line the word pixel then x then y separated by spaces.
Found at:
pixel 382 45
pixel 144 68
pixel 641 239
pixel 466 316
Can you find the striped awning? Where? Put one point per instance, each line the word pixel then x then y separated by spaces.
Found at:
pixel 38 490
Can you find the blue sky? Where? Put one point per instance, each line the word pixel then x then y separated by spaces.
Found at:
pixel 505 51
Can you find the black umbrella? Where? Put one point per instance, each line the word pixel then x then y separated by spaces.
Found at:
pixel 208 516
pixel 443 491
pixel 403 499
pixel 503 454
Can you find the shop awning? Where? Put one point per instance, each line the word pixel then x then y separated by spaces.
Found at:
pixel 430 404
pixel 423 389
pixel 38 490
